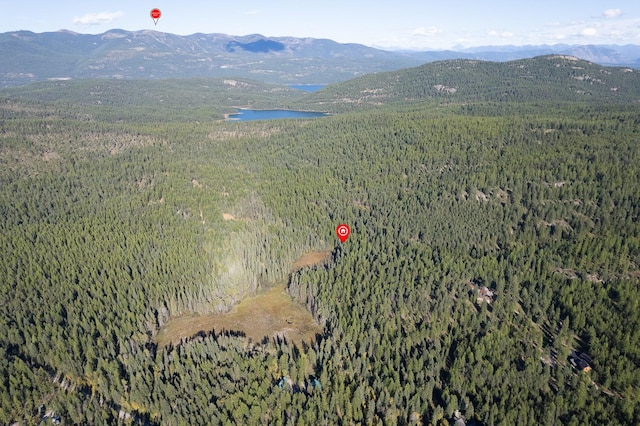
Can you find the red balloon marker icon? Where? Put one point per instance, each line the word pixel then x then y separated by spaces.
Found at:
pixel 155 15
pixel 343 231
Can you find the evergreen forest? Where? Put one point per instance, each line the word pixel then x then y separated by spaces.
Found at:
pixel 495 235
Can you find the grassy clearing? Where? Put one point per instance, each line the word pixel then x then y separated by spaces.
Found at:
pixel 268 314
pixel 271 313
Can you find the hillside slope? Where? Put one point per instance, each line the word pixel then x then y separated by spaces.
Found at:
pixel 544 78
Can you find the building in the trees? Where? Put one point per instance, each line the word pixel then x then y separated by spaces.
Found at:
pixel 581 362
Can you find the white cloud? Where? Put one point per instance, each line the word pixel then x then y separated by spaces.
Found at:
pixel 606 31
pixel 252 12
pixel 466 42
pixel 99 18
pixel 426 32
pixel 595 30
pixel 612 13
pixel 503 34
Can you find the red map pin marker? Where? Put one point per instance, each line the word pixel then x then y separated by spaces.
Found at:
pixel 343 231
pixel 155 15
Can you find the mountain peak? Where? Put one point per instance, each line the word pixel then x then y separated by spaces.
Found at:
pixel 63 31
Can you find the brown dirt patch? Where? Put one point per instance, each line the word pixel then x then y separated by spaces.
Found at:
pixel 594 278
pixel 229 216
pixel 51 156
pixel 225 134
pixel 567 272
pixel 481 196
pixel 268 314
pixel 311 259
pixel 502 196
pixel 557 222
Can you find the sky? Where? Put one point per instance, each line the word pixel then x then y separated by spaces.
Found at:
pixel 386 24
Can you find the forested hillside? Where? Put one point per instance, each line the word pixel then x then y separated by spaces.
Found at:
pixel 152 101
pixel 490 243
pixel 550 78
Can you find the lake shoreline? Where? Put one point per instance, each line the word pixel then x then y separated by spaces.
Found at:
pixel 252 114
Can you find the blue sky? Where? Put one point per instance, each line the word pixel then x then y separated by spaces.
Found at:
pixel 389 24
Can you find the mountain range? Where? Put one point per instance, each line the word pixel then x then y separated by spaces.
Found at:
pixel 285 60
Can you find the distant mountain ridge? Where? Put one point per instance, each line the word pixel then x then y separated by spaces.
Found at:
pixel 610 55
pixel 29 56
pixel 152 54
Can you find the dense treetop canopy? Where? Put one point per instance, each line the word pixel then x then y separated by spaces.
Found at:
pixel 494 238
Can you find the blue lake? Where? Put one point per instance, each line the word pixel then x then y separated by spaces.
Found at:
pixel 307 87
pixel 271 114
